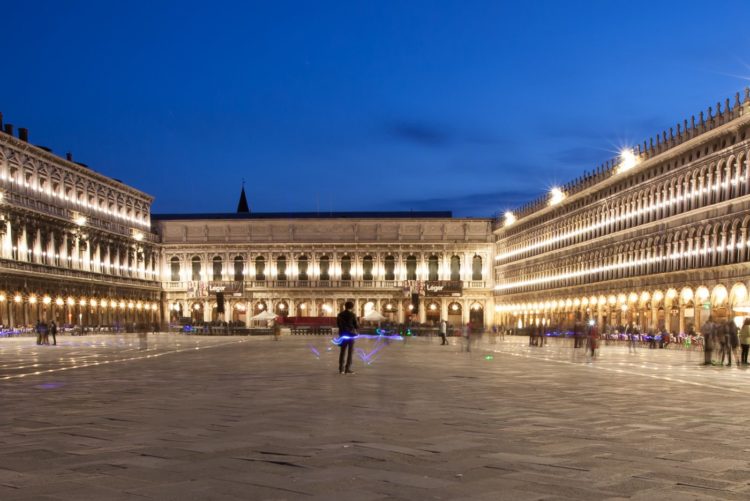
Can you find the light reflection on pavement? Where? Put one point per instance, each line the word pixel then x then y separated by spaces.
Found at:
pixel 21 356
pixel 677 365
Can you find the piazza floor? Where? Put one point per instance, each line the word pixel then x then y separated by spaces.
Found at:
pixel 186 417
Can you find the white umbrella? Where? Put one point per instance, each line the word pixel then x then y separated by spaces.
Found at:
pixel 374 316
pixel 264 315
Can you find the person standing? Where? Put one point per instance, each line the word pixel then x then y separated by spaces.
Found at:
pixel 443 331
pixel 53 332
pixel 745 340
pixel 38 332
pixel 347 324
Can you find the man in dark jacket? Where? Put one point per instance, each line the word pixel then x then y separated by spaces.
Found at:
pixel 347 324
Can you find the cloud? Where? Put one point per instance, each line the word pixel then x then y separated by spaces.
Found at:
pixel 436 134
pixel 482 204
pixel 420 133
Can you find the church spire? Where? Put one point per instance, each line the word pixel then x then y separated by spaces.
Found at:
pixel 242 207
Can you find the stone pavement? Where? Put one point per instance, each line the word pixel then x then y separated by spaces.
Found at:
pixel 187 417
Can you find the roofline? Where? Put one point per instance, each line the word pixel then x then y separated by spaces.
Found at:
pixel 308 215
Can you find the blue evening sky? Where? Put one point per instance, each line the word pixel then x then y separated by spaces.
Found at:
pixel 469 106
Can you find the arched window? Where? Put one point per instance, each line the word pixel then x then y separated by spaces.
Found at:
pixel 302 267
pixel 196 268
pixel 455 268
pixel 325 267
pixel 367 268
pixel 411 268
pixel 216 268
pixel 476 268
pixel 281 268
pixel 239 269
pixel 346 268
pixel 260 268
pixel 432 268
pixel 390 268
pixel 174 268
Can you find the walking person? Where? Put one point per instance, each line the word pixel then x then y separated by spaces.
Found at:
pixel 724 332
pixel 467 335
pixel 745 340
pixel 708 331
pixel 347 324
pixel 53 332
pixel 38 330
pixel 593 339
pixel 443 331
pixel 734 340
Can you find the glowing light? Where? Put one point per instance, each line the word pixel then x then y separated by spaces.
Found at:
pixel 556 196
pixel 628 160
pixel 59 301
pixel 2 298
pixel 510 218
pixel 46 300
pixel 80 220
pixel 71 301
pixel 433 307
pixel 32 299
pixel 17 298
pixel 138 236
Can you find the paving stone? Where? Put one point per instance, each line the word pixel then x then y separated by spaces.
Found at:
pixel 247 418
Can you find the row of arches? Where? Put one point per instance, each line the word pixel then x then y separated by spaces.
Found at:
pixel 714 244
pixel 324 269
pixel 429 310
pixel 29 174
pixel 684 191
pixel 24 309
pixel 677 309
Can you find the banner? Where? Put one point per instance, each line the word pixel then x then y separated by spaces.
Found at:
pixel 450 288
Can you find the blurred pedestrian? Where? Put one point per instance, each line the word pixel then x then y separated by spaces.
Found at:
pixel 443 331
pixel 708 331
pixel 53 332
pixel 745 340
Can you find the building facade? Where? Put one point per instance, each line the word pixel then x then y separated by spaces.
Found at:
pixel 657 237
pixel 75 246
pixel 308 265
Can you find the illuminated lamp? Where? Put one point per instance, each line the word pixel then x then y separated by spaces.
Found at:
pixel 510 218
pixel 32 299
pixel 17 298
pixel 71 301
pixel 46 300
pixel 628 160
pixel 59 301
pixel 556 196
